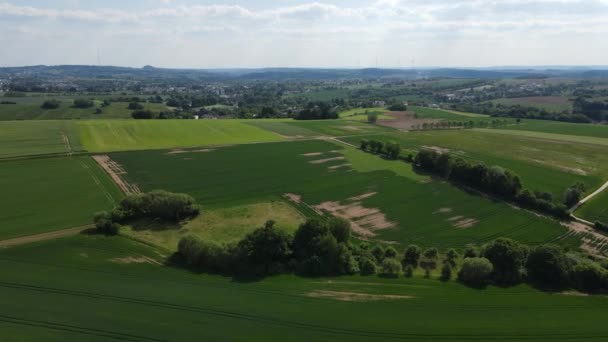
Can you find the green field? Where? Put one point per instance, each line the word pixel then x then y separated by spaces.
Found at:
pixel 102 289
pixel 548 103
pixel 29 108
pixel 596 209
pixel 564 128
pixel 421 210
pixel 544 165
pixel 48 194
pixel 27 138
pixel 359 114
pixel 121 135
pixel 432 113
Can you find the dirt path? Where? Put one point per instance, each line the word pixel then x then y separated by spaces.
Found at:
pixel 586 199
pixel 114 170
pixel 43 236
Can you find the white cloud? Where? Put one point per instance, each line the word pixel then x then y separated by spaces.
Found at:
pixel 445 32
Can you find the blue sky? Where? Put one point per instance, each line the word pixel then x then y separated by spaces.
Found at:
pixel 300 33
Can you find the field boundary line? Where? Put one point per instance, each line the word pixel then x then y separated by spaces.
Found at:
pixel 22 240
pixel 590 196
pixel 98 183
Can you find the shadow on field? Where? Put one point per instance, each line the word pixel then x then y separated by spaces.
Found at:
pixel 154 225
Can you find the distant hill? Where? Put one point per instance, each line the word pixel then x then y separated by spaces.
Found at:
pixel 89 71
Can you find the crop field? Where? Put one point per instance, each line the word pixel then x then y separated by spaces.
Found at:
pixel 315 128
pixel 48 194
pixel 122 135
pixel 432 113
pixel 27 138
pixel 544 165
pixel 112 289
pixel 564 128
pixel 549 103
pixel 360 114
pixel 596 209
pixel 29 108
pixel 386 200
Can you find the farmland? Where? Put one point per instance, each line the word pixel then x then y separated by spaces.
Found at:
pixel 40 195
pixel 415 208
pixel 27 138
pixel 29 108
pixel 543 164
pixel 564 128
pixel 115 135
pixel 98 292
pixel 549 103
pixel 596 209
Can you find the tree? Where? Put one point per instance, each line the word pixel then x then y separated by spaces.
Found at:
pixel 589 277
pixel 572 196
pixel 378 253
pixel 390 252
pixel 340 229
pixel 135 106
pixel 307 236
pixel 508 258
pixel 364 144
pixel 408 271
pixel 548 266
pixel 390 267
pixel 367 266
pixel 429 261
pixel 446 272
pixel 142 114
pixel 411 256
pixel 266 249
pixel 471 251
pixel 50 104
pixel 104 224
pixel 451 256
pixel 475 271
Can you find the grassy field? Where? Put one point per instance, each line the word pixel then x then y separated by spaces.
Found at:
pixel 413 208
pixel 103 289
pixel 48 194
pixel 543 164
pixel 121 135
pixel 596 209
pixel 29 108
pixel 548 103
pixel 564 128
pixel 359 114
pixel 26 138
pixel 222 225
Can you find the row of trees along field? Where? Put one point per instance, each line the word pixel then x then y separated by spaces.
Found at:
pixel 493 180
pixel 321 247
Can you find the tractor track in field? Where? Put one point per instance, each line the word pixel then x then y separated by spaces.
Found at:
pixel 44 236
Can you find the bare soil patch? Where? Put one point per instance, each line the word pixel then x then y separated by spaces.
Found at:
pixel 293 197
pixel 44 236
pixel 322 161
pixel 436 149
pixel 335 167
pixel 592 241
pixel 135 260
pixel 115 170
pixel 312 154
pixel 364 221
pixel 362 197
pixel 466 223
pixel 443 211
pixel 404 120
pixel 353 296
pixel 573 170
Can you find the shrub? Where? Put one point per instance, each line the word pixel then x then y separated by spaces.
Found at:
pixel 547 265
pixel 340 229
pixel 601 226
pixel 367 266
pixel 399 107
pixel 390 252
pixel 451 256
pixel 50 104
pixel 391 268
pixel 572 196
pixel 508 258
pixel 471 251
pixel 589 277
pixel 475 271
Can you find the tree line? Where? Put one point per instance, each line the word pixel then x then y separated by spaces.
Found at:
pixel 156 205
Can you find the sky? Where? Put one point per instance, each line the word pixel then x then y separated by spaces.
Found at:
pixel 300 33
